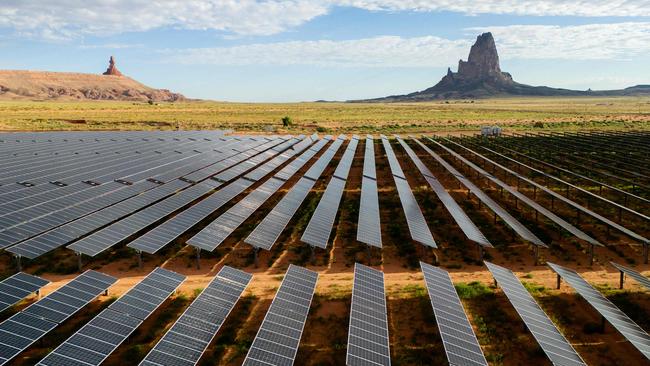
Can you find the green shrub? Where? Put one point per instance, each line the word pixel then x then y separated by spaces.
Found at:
pixel 287 121
pixel 472 289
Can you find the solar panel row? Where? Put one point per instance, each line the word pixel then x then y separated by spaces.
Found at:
pixel 110 236
pixel 96 340
pixel 17 287
pixel 556 347
pixel 626 326
pixel 269 230
pixel 318 229
pixel 561 198
pixel 414 218
pixel 641 279
pixel 368 226
pixel 368 341
pixel 458 338
pixel 121 230
pixel 165 233
pixel 493 205
pixel 277 340
pixel 464 222
pixel 26 327
pixel 523 198
pixel 210 237
pixel 55 238
pixel 184 343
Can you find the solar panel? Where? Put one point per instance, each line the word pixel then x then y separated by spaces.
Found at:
pixel 315 171
pixel 560 197
pixel 269 230
pixel 643 280
pixel 278 338
pixel 210 237
pixel 111 235
pixel 414 218
pixel 368 226
pixel 458 338
pixel 185 342
pixel 17 287
pixel 626 326
pixel 523 198
pixel 556 347
pixel 464 222
pixel 26 327
pixel 67 233
pixel 368 341
pixel 96 340
pixel 293 167
pixel 493 205
pixel 320 225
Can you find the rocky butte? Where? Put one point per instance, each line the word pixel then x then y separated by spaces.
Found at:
pixel 481 77
pixel 111 85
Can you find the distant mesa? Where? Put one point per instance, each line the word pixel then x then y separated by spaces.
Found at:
pixel 481 77
pixel 45 85
pixel 112 70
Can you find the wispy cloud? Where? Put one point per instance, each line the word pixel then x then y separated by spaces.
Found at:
pixel 388 51
pixel 587 42
pixel 70 19
pixel 113 46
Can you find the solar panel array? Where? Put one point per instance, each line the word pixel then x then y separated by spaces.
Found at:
pixel 210 237
pixel 562 198
pixel 522 197
pixel 318 229
pixel 185 342
pixel 96 340
pixel 162 235
pixel 52 209
pixel 464 222
pixel 641 279
pixel 110 236
pixel 368 226
pixel 269 230
pixel 152 192
pixel 558 350
pixel 458 338
pixel 17 287
pixel 414 218
pixel 626 326
pixel 277 340
pixel 121 230
pixel 517 226
pixel 26 327
pixel 368 341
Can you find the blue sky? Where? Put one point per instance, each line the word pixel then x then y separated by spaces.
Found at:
pixel 297 50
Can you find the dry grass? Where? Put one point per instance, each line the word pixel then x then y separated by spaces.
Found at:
pixel 514 113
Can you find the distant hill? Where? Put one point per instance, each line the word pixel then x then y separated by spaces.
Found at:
pixel 45 85
pixel 481 77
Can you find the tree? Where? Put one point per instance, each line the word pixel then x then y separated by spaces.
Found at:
pixel 286 121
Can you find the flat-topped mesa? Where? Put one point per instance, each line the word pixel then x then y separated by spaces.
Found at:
pixel 112 70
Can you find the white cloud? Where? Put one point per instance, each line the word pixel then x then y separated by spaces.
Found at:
pixel 587 42
pixel 584 42
pixel 592 8
pixel 69 19
pixel 388 51
pixel 66 19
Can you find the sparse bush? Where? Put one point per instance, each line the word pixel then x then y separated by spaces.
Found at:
pixel 287 121
pixel 538 124
pixel 472 289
